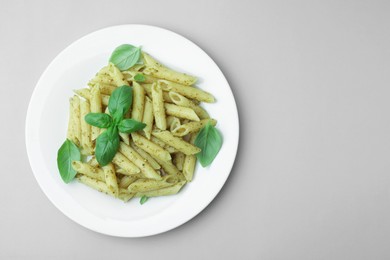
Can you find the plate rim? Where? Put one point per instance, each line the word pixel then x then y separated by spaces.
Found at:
pixel 28 125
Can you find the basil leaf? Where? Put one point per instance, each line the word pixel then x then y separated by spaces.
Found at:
pixel 120 102
pixel 210 141
pixel 100 120
pixel 143 199
pixel 67 153
pixel 139 77
pixel 107 145
pixel 130 125
pixel 125 56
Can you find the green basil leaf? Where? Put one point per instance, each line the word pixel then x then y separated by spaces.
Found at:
pixel 125 56
pixel 143 199
pixel 130 125
pixel 107 145
pixel 120 102
pixel 210 141
pixel 100 120
pixel 67 153
pixel 139 77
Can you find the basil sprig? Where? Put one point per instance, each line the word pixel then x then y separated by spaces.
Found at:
pixel 67 153
pixel 209 140
pixel 125 56
pixel 107 143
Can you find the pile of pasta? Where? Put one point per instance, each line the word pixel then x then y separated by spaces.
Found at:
pixel 156 161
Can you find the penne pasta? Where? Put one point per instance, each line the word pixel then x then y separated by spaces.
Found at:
pixel 146 156
pixel 139 161
pixel 178 160
pixel 175 142
pixel 158 70
pixel 181 100
pixel 142 185
pixel 86 142
pixel 72 122
pixel 175 188
pixel 192 127
pixel 172 122
pixel 148 91
pixel 126 181
pixel 148 117
pixel 189 163
pixel 116 75
pixel 158 107
pixel 166 147
pixel 88 170
pixel 153 149
pixel 189 92
pixel 138 102
pixel 96 107
pixel 125 164
pixel 156 158
pixel 182 112
pixel 110 178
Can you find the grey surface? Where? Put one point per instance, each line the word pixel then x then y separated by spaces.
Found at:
pixel 312 83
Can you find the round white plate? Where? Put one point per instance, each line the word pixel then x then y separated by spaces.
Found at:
pixel 47 119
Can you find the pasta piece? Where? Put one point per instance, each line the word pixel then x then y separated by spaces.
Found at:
pixel 116 74
pixel 170 169
pixel 96 107
pixel 148 90
pixel 129 76
pixel 98 185
pixel 158 70
pixel 182 112
pixel 102 187
pixel 166 147
pixel 150 147
pixel 148 117
pixel 181 100
pixel 192 127
pixel 189 163
pixel 172 122
pixel 124 163
pixel 139 161
pixel 86 142
pixel 178 160
pixel 138 102
pixel 175 188
pixel 189 92
pixel 158 107
pixel 146 156
pixel 73 121
pixel 142 185
pixel 88 170
pixel 126 181
pixel 110 177
pixel 176 142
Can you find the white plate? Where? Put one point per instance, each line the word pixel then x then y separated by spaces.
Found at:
pixel 46 125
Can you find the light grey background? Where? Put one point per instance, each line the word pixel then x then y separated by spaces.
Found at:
pixel 312 84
